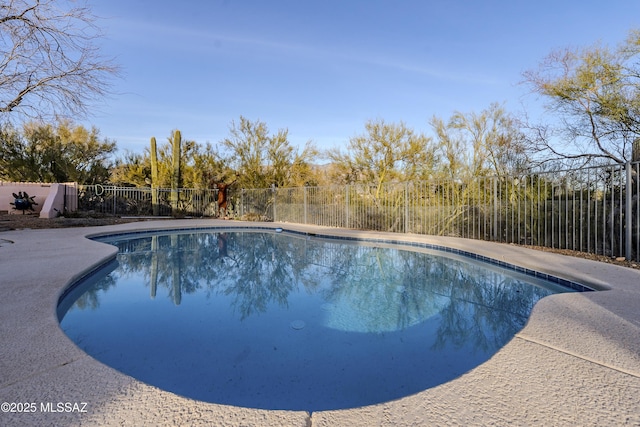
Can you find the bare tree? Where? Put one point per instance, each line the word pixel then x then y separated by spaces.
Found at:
pixel 50 65
pixel 594 96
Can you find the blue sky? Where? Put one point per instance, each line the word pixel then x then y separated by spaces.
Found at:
pixel 322 69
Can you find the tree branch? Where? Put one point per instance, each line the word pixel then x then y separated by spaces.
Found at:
pixel 49 63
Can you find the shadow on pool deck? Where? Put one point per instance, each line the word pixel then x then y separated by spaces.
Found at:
pixel 576 362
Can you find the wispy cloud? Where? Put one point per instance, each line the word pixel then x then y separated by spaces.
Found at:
pixel 202 42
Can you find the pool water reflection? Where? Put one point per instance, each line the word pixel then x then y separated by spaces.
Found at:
pixel 284 321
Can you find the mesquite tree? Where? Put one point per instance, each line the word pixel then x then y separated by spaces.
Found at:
pixel 593 97
pixel 62 152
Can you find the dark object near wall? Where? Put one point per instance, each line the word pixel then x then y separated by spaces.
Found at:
pixel 23 202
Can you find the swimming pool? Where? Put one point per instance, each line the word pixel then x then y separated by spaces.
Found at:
pixel 293 321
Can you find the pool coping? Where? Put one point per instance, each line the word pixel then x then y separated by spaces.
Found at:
pixel 576 362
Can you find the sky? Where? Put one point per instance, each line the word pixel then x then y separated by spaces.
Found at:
pixel 322 68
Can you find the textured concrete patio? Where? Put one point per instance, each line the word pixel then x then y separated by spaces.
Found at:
pixel 576 362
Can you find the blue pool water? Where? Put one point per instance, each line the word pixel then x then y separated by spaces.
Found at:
pixel 286 321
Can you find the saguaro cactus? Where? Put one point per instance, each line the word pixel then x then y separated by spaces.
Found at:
pixel 175 175
pixel 154 177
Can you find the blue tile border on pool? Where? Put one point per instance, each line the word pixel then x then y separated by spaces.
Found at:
pixel 523 270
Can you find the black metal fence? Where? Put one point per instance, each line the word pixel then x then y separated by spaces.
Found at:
pixel 137 201
pixel 589 210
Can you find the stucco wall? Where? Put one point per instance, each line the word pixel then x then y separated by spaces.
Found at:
pixel 49 197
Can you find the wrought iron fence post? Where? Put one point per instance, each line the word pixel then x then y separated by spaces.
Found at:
pixel 113 190
pixel 305 204
pixel 241 202
pixel 273 190
pixel 346 207
pixel 628 212
pixel 406 207
pixel 495 208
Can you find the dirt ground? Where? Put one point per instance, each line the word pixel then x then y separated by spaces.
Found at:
pixel 585 255
pixel 15 221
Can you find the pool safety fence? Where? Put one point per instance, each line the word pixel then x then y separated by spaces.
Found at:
pixel 592 209
pixel 146 201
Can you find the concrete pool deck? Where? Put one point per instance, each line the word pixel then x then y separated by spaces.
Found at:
pixel 576 362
